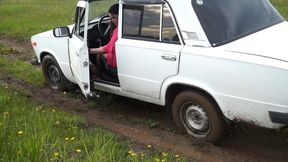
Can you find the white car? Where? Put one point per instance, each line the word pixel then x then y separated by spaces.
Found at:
pixel 210 61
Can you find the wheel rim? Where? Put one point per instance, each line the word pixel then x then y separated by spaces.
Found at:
pixel 54 75
pixel 195 120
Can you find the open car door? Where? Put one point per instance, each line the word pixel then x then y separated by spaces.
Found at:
pixel 78 50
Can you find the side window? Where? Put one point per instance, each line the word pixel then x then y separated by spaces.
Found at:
pixel 169 33
pixel 132 21
pixel 79 18
pixel 144 22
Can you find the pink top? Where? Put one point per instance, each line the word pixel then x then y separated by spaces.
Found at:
pixel 110 49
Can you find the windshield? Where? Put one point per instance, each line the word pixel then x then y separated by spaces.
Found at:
pixel 226 20
pixel 98 9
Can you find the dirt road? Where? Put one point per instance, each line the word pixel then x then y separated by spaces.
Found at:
pixel 145 123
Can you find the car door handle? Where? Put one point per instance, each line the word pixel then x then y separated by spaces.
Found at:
pixel 169 57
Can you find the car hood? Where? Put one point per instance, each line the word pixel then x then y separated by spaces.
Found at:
pixel 271 43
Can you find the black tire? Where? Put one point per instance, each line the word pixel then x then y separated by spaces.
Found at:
pixel 53 75
pixel 198 116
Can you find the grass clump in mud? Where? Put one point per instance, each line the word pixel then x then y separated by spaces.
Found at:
pixel 32 132
pixel 7 50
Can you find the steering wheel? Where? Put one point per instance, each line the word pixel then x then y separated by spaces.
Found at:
pixel 102 32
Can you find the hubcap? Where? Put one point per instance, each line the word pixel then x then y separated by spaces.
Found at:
pixel 195 119
pixel 54 75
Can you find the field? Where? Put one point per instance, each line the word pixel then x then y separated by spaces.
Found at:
pixel 36 131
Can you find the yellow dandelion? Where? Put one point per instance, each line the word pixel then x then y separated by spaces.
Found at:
pixel 130 152
pixel 72 139
pixel 133 154
pixel 157 160
pixel 78 150
pixel 142 154
pixel 163 160
pixel 149 146
pixel 19 132
pixel 53 110
pixel 66 139
pixel 56 154
pixel 177 156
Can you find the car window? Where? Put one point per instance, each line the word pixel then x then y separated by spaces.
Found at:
pixel 227 20
pixel 144 22
pixel 169 32
pixel 79 17
pixel 96 12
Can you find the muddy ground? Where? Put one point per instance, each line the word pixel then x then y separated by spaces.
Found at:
pixel 145 123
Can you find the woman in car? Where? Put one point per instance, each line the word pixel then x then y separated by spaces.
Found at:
pixel 106 54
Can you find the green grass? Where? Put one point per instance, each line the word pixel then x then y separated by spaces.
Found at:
pixel 22 19
pixel 282 7
pixel 31 132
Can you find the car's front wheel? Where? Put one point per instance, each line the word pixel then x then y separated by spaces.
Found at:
pixel 53 74
pixel 198 115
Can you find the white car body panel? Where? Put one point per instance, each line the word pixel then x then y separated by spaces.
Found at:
pixel 151 56
pixel 221 75
pixel 59 51
pixel 265 42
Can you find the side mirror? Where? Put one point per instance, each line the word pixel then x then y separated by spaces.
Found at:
pixel 62 31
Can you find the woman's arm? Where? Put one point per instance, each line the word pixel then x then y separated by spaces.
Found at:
pixel 99 50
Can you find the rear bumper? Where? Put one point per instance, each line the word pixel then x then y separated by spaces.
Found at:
pixel 278 117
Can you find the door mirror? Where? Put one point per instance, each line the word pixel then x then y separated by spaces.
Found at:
pixel 63 31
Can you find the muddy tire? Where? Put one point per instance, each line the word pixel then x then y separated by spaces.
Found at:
pixel 53 74
pixel 198 116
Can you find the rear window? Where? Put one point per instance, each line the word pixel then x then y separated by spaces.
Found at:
pixel 226 20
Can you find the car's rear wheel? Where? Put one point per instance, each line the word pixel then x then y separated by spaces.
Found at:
pixel 53 74
pixel 198 115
